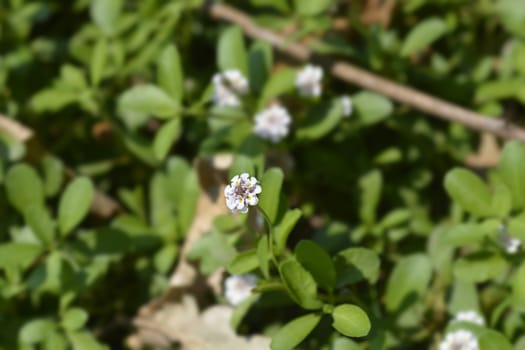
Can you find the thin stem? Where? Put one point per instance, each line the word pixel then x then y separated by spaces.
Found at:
pixel 270 235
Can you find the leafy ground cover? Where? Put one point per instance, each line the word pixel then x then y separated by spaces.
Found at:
pixel 362 223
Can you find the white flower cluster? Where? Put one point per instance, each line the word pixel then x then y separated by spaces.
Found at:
pixel 509 243
pixel 272 123
pixel 239 287
pixel 346 102
pixel 242 192
pixel 308 81
pixel 228 86
pixel 469 316
pixel 459 340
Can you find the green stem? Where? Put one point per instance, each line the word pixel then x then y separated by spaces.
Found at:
pixel 270 235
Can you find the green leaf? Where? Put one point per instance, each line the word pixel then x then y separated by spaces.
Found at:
pixel 74 319
pixel 260 61
pixel 490 339
pixel 18 255
pixel 167 135
pixel 214 251
pixel 74 204
pixel 512 16
pixel 300 284
pixel 280 82
pixel 462 234
pixel 24 187
pixel 464 296
pixel 84 341
pixel 479 267
pixel 263 256
pixel 371 107
pixel 53 170
pixel 165 257
pixel 320 121
pixel 512 170
pixel 244 262
pixel 410 277
pixel 169 73
pixel 285 227
pixel 501 200
pixel 98 62
pixel 279 5
pixel 317 261
pixel 41 223
pixel 518 288
pixel 271 183
pixel 468 191
pixel 355 264
pixel 371 185
pixel 105 14
pixel 54 341
pixel 294 332
pixel 231 51
pixel 141 101
pixel 34 331
pixel 423 35
pixel 312 7
pixel 187 205
pixel 351 320
pixel 241 310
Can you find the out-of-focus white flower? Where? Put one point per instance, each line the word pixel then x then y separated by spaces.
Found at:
pixel 272 123
pixel 228 86
pixel 239 287
pixel 242 192
pixel 308 81
pixel 459 340
pixel 469 316
pixel 346 102
pixel 509 243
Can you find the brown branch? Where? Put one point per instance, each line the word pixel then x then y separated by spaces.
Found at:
pixel 352 74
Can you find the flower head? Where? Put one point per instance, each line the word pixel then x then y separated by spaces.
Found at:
pixel 346 102
pixel 242 192
pixel 228 86
pixel 272 123
pixel 308 81
pixel 509 243
pixel 469 316
pixel 459 340
pixel 239 287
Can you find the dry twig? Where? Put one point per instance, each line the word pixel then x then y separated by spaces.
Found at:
pixel 358 76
